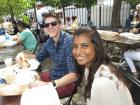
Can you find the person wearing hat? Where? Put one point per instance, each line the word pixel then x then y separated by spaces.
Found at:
pixel 40 10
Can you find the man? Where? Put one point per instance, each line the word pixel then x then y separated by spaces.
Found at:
pixel 40 10
pixel 58 47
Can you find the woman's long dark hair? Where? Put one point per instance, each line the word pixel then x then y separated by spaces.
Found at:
pixel 101 57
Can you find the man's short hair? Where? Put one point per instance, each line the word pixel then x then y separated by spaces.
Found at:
pixel 53 14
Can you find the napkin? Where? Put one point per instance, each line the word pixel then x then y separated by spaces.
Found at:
pixel 42 95
pixel 10 43
pixel 130 36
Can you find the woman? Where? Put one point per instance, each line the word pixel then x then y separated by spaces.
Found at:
pixel 68 23
pixel 104 84
pixel 74 23
pixel 25 36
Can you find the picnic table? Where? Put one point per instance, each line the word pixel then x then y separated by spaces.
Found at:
pixel 7 50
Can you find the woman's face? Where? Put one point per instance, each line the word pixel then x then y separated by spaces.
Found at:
pixel 83 50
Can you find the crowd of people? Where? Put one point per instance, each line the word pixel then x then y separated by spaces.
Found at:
pixel 79 59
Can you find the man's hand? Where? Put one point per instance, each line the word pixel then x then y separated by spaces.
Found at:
pixel 37 83
pixel 20 57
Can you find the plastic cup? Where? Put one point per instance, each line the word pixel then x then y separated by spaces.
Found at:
pixel 8 61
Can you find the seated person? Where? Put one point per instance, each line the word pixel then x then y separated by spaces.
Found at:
pixel 133 55
pixel 136 29
pixel 104 84
pixel 130 57
pixel 74 23
pixel 68 23
pixel 58 47
pixel 26 37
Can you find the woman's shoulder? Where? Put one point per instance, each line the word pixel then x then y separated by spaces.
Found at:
pixel 104 73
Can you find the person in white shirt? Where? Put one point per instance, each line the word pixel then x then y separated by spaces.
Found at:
pixel 133 55
pixel 40 10
pixel 104 84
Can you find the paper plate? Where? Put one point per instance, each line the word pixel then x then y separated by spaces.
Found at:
pixel 10 43
pixel 17 80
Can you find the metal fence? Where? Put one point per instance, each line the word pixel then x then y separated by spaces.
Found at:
pixel 100 15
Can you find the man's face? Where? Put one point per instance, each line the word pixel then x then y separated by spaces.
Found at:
pixel 52 27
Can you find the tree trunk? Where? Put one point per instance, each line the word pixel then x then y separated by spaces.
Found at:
pixel 115 22
pixel 12 14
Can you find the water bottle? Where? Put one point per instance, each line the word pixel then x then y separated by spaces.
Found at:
pixel 2 31
pixel 2 81
pixel 7 36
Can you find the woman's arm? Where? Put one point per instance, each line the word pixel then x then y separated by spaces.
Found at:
pixel 16 38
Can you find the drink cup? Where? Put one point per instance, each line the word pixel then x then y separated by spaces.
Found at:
pixel 8 61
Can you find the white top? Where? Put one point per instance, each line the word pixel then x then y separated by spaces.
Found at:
pixel 108 90
pixel 39 14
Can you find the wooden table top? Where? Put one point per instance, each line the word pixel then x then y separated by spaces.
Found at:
pixel 116 38
pixel 10 100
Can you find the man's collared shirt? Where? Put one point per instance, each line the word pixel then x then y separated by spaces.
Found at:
pixel 61 55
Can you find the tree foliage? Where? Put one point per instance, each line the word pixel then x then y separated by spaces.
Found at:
pixel 17 7
pixel 14 7
pixel 133 3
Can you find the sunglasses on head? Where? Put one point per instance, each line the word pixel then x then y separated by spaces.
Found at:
pixel 46 25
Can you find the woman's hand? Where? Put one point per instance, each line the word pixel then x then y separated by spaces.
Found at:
pixel 134 30
pixel 15 37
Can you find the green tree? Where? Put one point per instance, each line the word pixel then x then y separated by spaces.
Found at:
pixel 133 3
pixel 115 22
pixel 14 7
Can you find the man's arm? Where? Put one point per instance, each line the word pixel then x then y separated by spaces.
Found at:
pixel 67 79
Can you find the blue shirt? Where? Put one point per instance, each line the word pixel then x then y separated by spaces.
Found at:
pixel 61 55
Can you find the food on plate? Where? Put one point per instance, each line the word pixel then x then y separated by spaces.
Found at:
pixel 24 64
